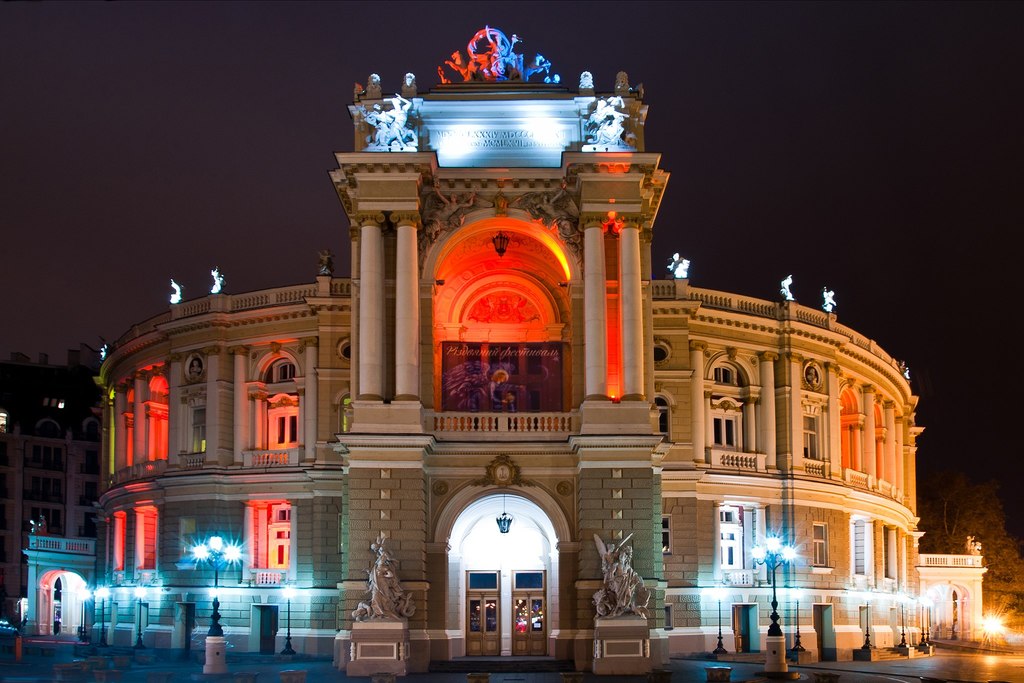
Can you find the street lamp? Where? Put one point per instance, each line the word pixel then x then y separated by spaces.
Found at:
pixel 220 555
pixel 797 646
pixel 289 593
pixel 926 613
pixel 718 593
pixel 102 593
pixel 140 593
pixel 773 554
pixel 903 623
pixel 83 636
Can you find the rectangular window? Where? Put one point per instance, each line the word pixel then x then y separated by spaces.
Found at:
pixel 666 534
pixel 482 581
pixel 859 548
pixel 819 541
pixel 726 432
pixel 271 534
pixel 889 550
pixel 199 430
pixel 145 537
pixel 731 539
pixel 811 437
pixel 186 534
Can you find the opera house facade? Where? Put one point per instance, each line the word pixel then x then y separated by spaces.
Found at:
pixel 509 392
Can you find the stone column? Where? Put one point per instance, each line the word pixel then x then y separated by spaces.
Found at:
pixel 767 421
pixel 889 447
pixel 856 448
pixel 716 545
pixel 371 308
pixel 631 290
pixel 709 425
pixel 901 479
pixel 407 319
pixel 595 315
pixel 258 398
pixel 309 396
pixel 834 422
pixel 240 395
pixel 750 425
pixel 214 428
pixel 697 398
pixel 120 430
pixel 796 413
pixel 869 445
pixel 869 551
pixel 139 412
pixel 176 418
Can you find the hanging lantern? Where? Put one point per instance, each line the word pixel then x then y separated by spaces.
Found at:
pixel 500 241
pixel 505 520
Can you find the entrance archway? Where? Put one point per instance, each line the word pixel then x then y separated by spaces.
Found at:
pixel 60 597
pixel 503 584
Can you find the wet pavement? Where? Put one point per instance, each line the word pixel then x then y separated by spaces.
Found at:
pixel 953 666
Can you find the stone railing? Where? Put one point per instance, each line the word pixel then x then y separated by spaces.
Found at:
pixel 140 470
pixel 858 479
pixel 735 460
pixel 192 461
pixel 288 457
pixel 951 560
pixel 478 425
pixel 57 544
pixel 738 577
pixel 817 468
pixel 266 577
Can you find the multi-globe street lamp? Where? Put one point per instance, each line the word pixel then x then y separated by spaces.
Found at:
pixel 772 555
pixel 83 632
pixel 140 593
pixel 102 594
pixel 220 555
pixel 289 593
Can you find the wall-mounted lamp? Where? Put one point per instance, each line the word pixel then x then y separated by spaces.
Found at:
pixel 438 282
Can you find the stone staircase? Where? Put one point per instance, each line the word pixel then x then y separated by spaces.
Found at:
pixel 502 665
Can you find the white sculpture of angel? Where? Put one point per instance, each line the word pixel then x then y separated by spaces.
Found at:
pixel 787 295
pixel 829 299
pixel 623 591
pixel 218 281
pixel 176 295
pixel 679 267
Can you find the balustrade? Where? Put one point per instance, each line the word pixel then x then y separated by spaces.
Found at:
pixel 450 425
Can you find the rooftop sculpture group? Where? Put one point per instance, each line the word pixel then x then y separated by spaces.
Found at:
pixel 491 56
pixel 392 130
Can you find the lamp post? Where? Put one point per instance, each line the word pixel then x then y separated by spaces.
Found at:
pixel 220 555
pixel 926 613
pixel 718 593
pixel 83 632
pixel 773 554
pixel 797 645
pixel 903 623
pixel 289 593
pixel 140 592
pixel 102 593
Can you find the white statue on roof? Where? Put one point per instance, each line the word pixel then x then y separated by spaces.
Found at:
pixel 828 299
pixel 785 291
pixel 218 281
pixel 679 267
pixel 176 294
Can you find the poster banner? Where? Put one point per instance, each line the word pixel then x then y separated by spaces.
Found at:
pixel 490 377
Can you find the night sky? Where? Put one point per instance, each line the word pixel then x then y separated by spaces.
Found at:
pixel 874 147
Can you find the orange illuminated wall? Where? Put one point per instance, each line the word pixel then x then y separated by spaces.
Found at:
pixel 120 525
pixel 145 536
pixel 613 315
pixel 156 418
pixel 271 533
pixel 849 419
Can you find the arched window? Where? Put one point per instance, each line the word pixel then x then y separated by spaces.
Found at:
pixel 664 414
pixel 4 421
pixel 91 429
pixel 48 428
pixel 280 371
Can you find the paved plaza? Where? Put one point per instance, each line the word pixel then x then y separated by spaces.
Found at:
pixel 952 666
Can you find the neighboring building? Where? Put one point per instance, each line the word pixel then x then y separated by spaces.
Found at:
pixel 49 482
pixel 502 346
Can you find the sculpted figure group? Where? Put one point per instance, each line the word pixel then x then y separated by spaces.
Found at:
pixel 491 56
pixel 392 131
pixel 623 591
pixel 388 600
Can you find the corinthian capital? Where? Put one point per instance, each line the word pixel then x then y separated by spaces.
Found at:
pixel 405 218
pixel 374 218
pixel 768 356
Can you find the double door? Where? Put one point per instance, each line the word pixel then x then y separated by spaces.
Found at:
pixel 529 624
pixel 511 611
pixel 483 627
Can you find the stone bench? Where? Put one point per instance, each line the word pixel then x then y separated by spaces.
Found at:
pixel 718 673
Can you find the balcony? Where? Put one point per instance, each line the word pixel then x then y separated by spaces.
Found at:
pixel 140 470
pixel 453 426
pixel 267 577
pixel 737 460
pixel 287 457
pixel 738 577
pixel 951 561
pixel 75 546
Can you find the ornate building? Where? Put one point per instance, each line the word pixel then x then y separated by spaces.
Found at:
pixel 502 350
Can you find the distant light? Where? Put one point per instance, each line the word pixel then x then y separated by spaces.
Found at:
pixel 103 352
pixel 788 553
pixel 758 552
pixel 289 592
pixel 216 543
pixel 232 553
pixel 103 593
pixel 201 552
pixel 773 544
pixel 140 592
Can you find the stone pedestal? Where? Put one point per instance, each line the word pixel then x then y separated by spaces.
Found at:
pixel 216 661
pixel 379 646
pixel 621 646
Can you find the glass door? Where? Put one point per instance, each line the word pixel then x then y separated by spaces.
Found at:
pixel 529 614
pixel 483 630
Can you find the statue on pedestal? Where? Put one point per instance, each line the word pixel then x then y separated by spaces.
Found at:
pixel 326 262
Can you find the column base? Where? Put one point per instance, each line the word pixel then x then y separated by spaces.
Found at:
pixel 605 417
pixel 397 417
pixel 216 660
pixel 379 646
